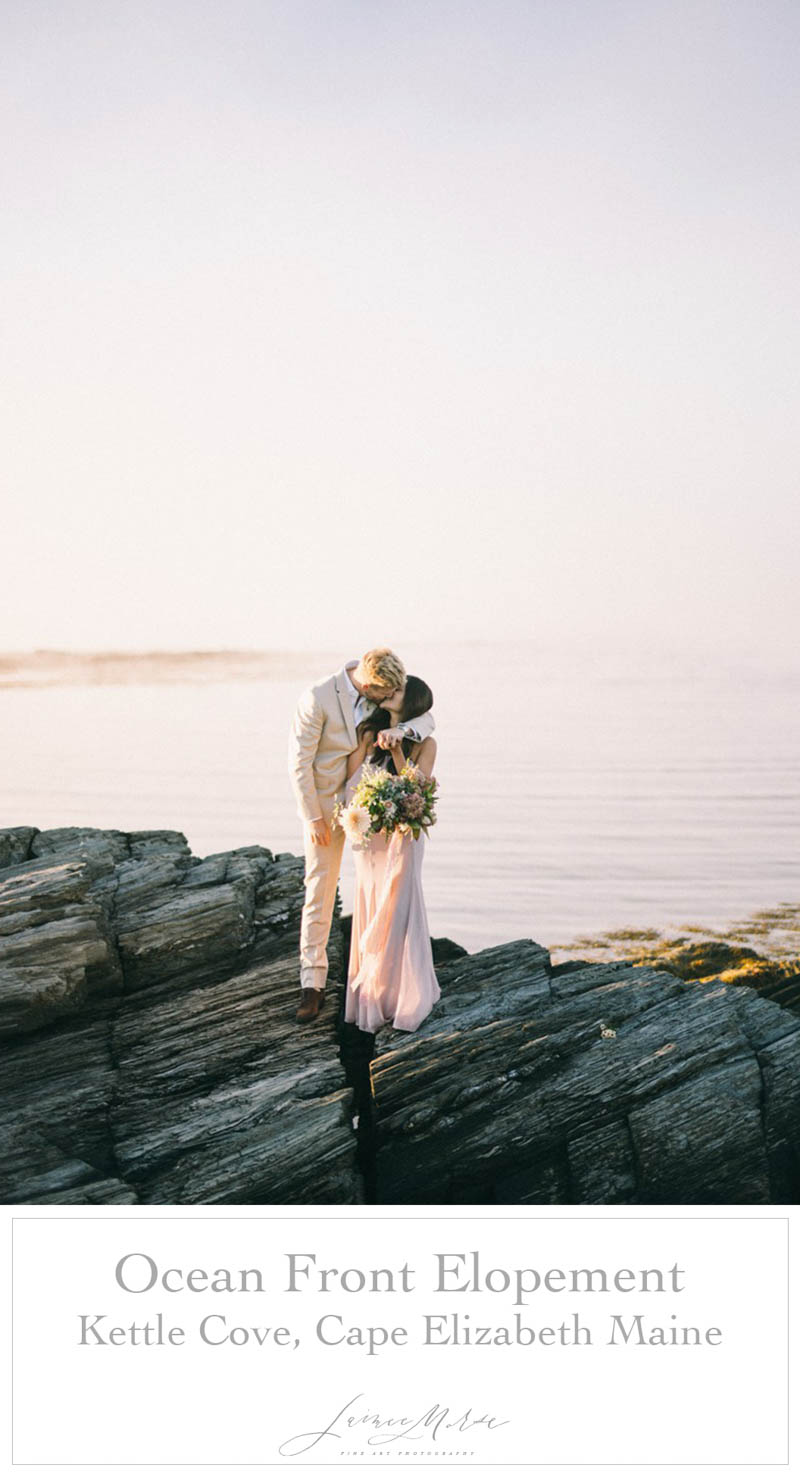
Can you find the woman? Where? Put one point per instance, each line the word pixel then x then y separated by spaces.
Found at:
pixel 390 977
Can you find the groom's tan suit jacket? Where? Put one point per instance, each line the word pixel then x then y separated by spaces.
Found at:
pixel 321 738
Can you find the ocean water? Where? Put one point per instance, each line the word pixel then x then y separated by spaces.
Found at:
pixel 578 795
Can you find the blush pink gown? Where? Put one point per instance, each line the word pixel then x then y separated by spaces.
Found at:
pixel 390 978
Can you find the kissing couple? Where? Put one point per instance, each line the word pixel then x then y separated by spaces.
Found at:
pixel 369 715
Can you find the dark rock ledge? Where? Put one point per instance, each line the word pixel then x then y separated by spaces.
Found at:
pixel 150 1054
pixel 150 1051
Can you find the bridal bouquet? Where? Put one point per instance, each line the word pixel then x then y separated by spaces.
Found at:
pixel 385 803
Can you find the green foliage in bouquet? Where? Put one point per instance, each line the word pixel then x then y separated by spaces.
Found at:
pixel 386 803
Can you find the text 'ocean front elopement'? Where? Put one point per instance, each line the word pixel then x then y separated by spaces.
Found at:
pixel 448 1274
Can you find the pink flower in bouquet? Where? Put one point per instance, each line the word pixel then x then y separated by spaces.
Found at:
pixel 414 805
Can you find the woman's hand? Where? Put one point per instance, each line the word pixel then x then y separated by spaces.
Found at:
pixel 388 739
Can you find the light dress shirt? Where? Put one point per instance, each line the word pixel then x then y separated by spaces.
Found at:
pixel 361 705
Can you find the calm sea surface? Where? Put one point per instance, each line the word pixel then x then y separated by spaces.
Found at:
pixel 576 796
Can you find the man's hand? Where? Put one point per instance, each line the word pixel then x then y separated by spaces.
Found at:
pixel 319 833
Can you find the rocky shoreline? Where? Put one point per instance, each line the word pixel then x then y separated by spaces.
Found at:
pixel 150 1053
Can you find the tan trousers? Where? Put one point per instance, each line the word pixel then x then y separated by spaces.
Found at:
pixel 322 876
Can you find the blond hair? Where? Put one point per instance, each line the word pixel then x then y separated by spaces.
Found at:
pixel 382 667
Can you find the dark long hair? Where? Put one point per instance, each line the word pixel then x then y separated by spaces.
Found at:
pixel 418 699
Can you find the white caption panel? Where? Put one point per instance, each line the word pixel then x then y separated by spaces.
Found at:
pixel 314 1340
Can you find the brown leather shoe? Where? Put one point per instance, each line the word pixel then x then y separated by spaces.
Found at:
pixel 310 1004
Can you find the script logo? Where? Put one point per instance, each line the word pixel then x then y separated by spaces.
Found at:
pixel 373 1429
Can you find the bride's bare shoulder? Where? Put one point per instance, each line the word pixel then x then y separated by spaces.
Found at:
pixel 424 754
pixel 427 747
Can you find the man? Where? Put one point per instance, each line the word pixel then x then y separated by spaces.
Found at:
pixel 322 736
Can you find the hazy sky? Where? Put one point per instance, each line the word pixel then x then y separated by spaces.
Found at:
pixel 331 322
